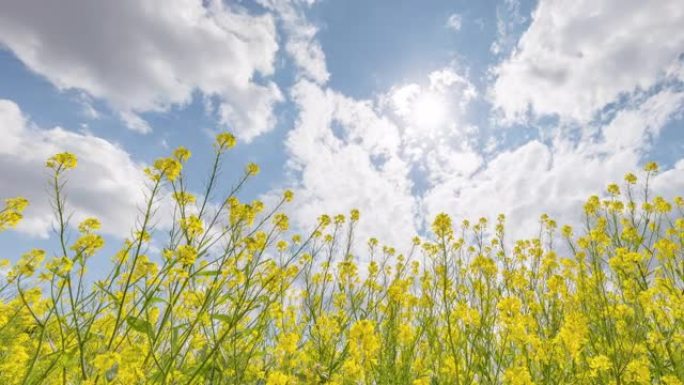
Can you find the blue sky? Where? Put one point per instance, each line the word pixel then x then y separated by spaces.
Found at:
pixel 402 109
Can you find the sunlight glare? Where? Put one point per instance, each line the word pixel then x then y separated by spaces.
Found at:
pixel 429 111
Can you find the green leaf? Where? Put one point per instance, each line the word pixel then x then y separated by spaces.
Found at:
pixel 140 325
pixel 221 317
pixel 153 300
pixel 208 273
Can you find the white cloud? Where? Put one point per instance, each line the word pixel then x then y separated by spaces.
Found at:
pixel 346 156
pixel 556 177
pixel 430 115
pixel 301 44
pixel 107 183
pixel 578 56
pixel 455 22
pixel 346 153
pixel 143 56
pixel 634 127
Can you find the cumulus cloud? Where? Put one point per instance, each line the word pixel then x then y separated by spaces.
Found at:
pixel 344 155
pixel 579 56
pixel 347 153
pixel 430 114
pixel 107 183
pixel 557 176
pixel 409 153
pixel 143 56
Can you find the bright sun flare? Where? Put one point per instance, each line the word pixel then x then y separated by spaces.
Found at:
pixel 429 111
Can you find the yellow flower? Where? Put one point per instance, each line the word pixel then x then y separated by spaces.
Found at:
pixel 224 141
pixel 105 361
pixel 88 244
pixel 89 225
pixel 638 372
pixel 324 220
pixel 60 266
pixel 592 205
pixel 168 167
pixel 573 333
pixel 182 154
pixel 666 249
pixel 278 378
pixel 192 226
pixel 372 242
pixel 661 205
pixel 405 334
pixel 599 364
pixel 186 254
pixel 287 343
pixel 281 245
pixel 509 306
pixel 62 161
pixel 183 198
pixel 362 333
pixel 566 230
pixel 518 375
pixel 679 201
pixel 613 189
pixel 485 265
pixel 11 215
pixel 441 226
pixel 252 169
pixel 143 236
pixel 30 261
pixel 630 178
pixel 16 204
pixel 651 167
pixel 281 221
pixel 670 380
pixel 352 369
pixel 288 195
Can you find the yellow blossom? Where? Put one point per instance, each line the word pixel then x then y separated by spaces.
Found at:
pixel 441 226
pixel 62 161
pixel 224 141
pixel 186 254
pixel 252 169
pixel 182 154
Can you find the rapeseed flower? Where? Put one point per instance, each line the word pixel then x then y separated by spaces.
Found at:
pixel 230 294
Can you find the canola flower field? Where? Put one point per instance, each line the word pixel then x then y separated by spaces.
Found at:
pixel 236 298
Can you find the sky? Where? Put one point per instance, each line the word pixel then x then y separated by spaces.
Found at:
pixel 402 109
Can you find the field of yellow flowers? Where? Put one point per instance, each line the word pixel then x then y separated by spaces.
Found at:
pixel 235 298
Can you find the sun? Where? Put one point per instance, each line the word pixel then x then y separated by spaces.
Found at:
pixel 429 111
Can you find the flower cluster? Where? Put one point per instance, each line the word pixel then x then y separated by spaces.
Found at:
pixel 235 297
pixel 11 215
